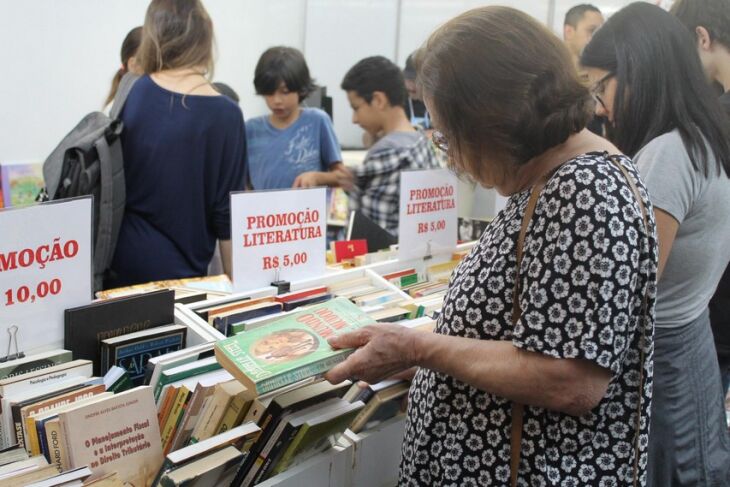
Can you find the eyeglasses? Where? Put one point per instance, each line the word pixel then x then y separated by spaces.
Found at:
pixel 599 88
pixel 440 141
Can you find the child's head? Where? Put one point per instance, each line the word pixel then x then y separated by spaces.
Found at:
pixel 282 78
pixel 375 88
pixel 176 34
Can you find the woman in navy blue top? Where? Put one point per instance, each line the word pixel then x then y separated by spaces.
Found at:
pixel 184 152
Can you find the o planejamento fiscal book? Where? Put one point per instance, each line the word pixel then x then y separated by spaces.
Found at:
pixel 292 348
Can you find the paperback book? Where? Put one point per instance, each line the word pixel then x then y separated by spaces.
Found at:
pixel 292 348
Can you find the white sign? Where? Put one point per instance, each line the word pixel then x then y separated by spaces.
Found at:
pixel 278 235
pixel 45 268
pixel 428 215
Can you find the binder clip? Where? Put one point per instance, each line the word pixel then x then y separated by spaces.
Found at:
pixel 12 339
pixel 280 285
pixel 428 255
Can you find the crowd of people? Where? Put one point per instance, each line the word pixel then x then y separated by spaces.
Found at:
pixel 584 340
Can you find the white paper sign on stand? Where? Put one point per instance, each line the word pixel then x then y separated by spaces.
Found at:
pixel 278 235
pixel 428 214
pixel 45 268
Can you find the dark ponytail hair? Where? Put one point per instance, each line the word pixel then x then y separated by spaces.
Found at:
pixel 660 85
pixel 129 48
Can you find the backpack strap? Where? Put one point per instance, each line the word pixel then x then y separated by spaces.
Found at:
pixel 518 410
pixel 125 86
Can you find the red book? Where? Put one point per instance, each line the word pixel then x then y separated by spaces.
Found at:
pixel 349 249
pixel 301 294
pixel 396 275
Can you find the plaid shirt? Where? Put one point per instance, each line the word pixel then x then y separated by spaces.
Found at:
pixel 377 181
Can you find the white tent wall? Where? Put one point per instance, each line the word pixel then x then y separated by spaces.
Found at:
pixel 58 57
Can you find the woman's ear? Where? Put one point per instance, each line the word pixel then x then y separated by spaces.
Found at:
pixel 704 40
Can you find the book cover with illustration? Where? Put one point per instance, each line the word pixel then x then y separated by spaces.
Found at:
pixel 119 434
pixel 21 182
pixel 292 348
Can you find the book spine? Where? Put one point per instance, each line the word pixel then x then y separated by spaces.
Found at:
pixel 18 426
pixel 305 371
pixel 172 418
pixel 55 448
pixel 34 447
pixel 364 415
pixel 164 411
pixel 289 453
pixel 258 463
pixel 276 452
pixel 211 417
pixel 66 461
pixel 234 415
pixel 41 429
pixel 167 445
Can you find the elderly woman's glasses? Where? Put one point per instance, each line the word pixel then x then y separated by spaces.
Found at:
pixel 440 141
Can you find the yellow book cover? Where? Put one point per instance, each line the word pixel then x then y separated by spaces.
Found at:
pixel 172 418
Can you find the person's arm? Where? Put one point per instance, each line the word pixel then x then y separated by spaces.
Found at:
pixel 571 386
pixel 337 177
pixel 666 230
pixel 226 256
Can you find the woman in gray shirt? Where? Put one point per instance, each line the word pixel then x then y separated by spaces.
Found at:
pixel 648 82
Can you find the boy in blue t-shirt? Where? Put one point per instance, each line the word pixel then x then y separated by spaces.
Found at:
pixel 293 147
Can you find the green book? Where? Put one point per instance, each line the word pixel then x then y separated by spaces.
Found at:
pixel 292 348
pixel 185 371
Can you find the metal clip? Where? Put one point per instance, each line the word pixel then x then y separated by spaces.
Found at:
pixel 12 340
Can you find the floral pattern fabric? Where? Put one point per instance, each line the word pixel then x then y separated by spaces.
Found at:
pixel 588 265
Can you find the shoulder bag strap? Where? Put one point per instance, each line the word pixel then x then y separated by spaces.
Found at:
pixel 518 410
pixel 644 309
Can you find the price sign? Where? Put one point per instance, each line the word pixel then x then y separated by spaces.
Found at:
pixel 428 216
pixel 45 268
pixel 278 235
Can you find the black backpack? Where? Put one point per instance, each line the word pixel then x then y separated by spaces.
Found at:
pixel 89 161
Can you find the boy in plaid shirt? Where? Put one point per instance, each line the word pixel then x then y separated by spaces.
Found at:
pixel 377 94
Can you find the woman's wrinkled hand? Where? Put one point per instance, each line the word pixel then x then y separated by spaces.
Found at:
pixel 383 350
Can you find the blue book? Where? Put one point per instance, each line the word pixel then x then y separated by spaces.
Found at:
pixel 132 352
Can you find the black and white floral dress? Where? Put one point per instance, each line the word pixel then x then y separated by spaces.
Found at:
pixel 588 263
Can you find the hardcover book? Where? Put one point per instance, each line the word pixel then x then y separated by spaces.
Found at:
pixel 131 352
pixel 86 326
pixel 292 348
pixel 119 434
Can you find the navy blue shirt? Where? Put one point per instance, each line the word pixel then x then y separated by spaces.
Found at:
pixel 183 155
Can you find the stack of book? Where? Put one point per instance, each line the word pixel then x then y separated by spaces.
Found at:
pixel 186 290
pixel 124 332
pixel 427 290
pixel 246 314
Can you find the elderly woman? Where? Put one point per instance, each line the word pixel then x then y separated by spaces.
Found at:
pixel 553 387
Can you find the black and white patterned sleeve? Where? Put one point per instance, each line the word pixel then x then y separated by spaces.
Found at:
pixel 580 271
